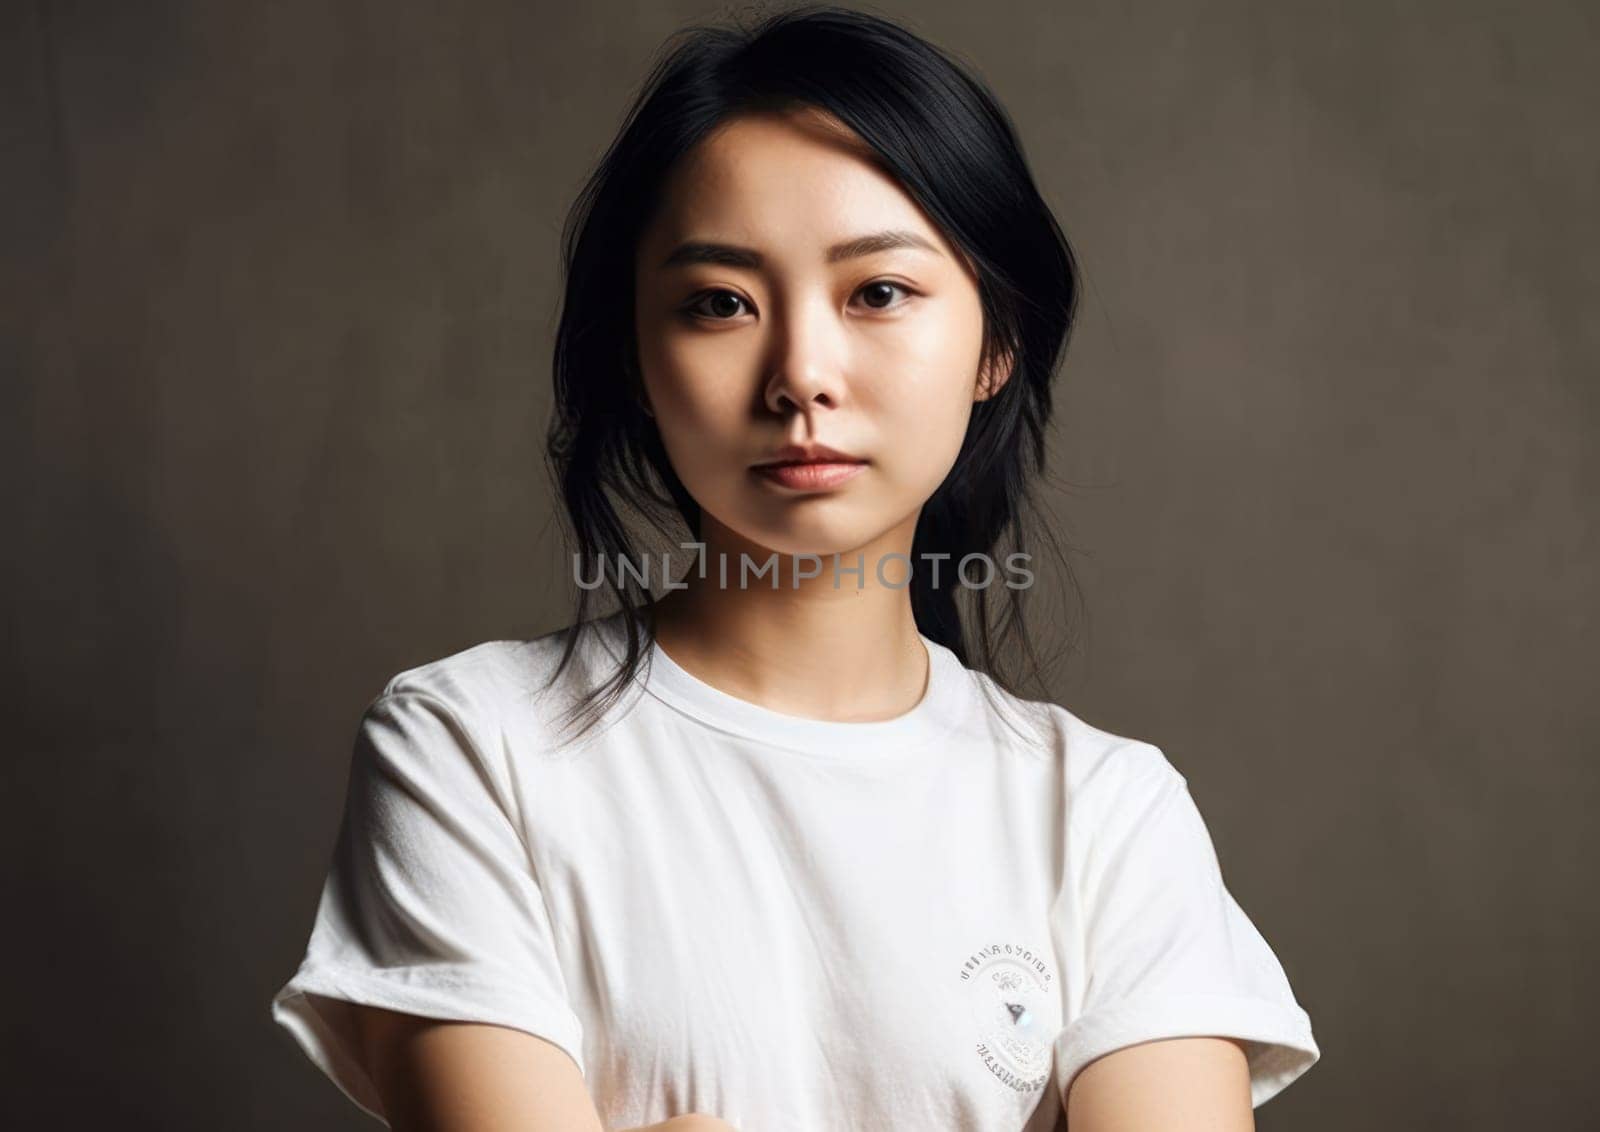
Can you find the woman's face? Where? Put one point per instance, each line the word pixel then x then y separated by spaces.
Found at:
pixel 791 293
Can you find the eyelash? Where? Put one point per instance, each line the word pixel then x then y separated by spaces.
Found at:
pixel 689 308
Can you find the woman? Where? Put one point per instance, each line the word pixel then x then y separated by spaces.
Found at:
pixel 763 851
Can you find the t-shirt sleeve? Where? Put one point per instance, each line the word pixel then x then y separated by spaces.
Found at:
pixel 431 905
pixel 1164 949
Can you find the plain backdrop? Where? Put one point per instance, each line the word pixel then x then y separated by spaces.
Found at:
pixel 279 284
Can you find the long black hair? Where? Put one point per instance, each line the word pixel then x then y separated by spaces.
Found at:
pixel 940 132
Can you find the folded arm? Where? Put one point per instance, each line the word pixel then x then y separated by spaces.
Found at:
pixel 438 1076
pixel 1174 1084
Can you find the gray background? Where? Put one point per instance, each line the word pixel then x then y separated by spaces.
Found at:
pixel 278 293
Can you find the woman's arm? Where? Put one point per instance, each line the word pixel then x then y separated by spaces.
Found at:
pixel 438 1076
pixel 1175 1084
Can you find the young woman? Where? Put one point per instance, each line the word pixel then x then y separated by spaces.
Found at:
pixel 777 848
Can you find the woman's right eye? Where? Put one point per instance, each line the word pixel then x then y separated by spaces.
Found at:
pixel 713 306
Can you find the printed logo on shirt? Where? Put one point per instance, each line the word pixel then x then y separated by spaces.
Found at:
pixel 1010 990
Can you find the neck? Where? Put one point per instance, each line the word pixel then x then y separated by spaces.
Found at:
pixel 803 647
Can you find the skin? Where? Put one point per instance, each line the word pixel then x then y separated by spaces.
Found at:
pixel 877 355
pixel 467 1077
pixel 1175 1085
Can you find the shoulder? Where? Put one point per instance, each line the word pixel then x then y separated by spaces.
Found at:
pixel 1100 760
pixel 519 686
pixel 1118 789
pixel 481 674
pixel 1092 761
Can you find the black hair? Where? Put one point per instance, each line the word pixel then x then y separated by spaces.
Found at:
pixel 939 131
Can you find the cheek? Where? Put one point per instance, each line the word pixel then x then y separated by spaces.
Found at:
pixel 697 385
pixel 935 350
pixel 921 392
pixel 699 392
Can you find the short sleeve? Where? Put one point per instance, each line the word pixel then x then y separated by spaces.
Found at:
pixel 431 905
pixel 1165 950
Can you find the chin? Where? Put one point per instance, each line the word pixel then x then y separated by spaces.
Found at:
pixel 810 535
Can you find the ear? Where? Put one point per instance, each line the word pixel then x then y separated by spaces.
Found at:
pixel 993 375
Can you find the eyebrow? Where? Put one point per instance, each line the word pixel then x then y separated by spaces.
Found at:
pixel 729 255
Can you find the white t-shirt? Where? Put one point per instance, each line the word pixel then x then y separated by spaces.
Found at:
pixel 798 925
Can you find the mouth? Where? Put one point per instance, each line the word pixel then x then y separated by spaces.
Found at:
pixel 813 468
pixel 809 476
pixel 808 454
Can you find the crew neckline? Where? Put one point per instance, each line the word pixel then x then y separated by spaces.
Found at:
pixel 929 720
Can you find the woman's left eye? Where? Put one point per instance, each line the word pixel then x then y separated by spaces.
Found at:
pixel 878 288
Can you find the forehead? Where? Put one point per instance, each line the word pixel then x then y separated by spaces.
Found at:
pixel 798 178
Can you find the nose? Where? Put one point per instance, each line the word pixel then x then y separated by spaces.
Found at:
pixel 807 368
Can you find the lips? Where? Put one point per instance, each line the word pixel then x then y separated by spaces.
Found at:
pixel 811 475
pixel 795 454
